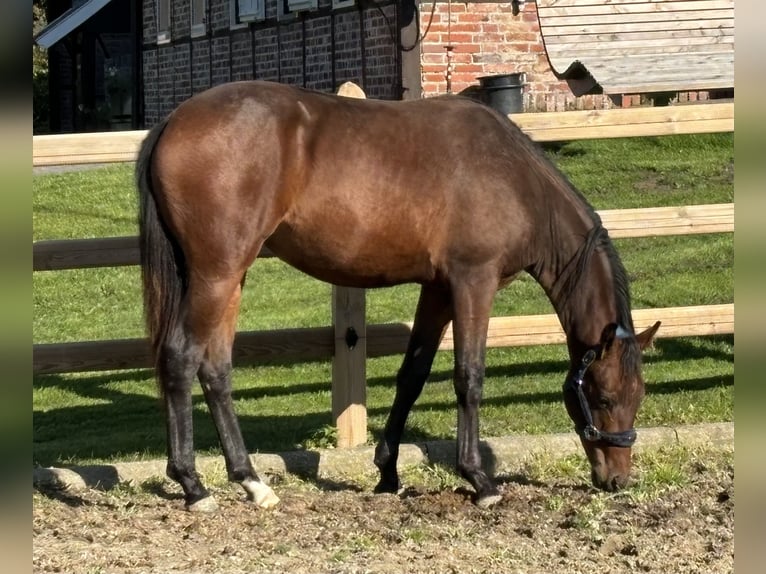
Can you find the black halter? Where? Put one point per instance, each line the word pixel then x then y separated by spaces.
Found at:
pixel 589 432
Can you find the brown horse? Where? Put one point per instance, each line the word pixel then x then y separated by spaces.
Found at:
pixel 443 192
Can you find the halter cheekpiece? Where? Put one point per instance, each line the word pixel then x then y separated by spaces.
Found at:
pixel 589 432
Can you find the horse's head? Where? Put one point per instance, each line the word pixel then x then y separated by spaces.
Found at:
pixel 602 394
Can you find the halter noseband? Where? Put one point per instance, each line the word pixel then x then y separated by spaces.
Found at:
pixel 589 432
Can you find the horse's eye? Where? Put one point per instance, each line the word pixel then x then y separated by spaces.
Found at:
pixel 604 403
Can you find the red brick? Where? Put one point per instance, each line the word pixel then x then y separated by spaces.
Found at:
pixel 467 78
pixel 434 68
pixel 457 38
pixel 469 68
pixel 433 77
pixel 433 58
pixel 470 48
pixel 473 17
pixel 491 37
pixel 461 58
pixel 432 48
pixel 469 28
pixel 528 16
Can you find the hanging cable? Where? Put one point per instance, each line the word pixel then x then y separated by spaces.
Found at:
pixel 449 47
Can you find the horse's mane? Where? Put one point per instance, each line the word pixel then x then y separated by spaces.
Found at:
pixel 596 239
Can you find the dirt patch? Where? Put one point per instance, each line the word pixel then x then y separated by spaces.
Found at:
pixel 557 525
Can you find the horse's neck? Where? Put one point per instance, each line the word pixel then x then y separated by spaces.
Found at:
pixel 578 278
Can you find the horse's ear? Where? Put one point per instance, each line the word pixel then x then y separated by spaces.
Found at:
pixel 646 338
pixel 608 336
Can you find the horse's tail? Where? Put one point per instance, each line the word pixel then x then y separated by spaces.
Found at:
pixel 163 270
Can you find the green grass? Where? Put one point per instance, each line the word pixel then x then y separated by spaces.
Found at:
pixel 82 417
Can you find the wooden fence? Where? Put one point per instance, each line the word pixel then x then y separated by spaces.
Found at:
pixel 348 305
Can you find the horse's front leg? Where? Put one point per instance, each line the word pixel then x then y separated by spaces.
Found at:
pixel 431 319
pixel 472 309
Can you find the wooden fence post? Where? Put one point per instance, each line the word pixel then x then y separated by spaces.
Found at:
pixel 349 380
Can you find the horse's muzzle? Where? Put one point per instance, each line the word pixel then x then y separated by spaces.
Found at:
pixel 611 483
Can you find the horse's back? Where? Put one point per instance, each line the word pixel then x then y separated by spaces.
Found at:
pixel 364 192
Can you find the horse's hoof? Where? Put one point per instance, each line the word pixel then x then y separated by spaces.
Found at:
pixel 385 487
pixel 205 505
pixel 260 493
pixel 488 500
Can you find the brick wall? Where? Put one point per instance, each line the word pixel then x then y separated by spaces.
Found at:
pixel 241 56
pixel 219 61
pixel 319 49
pixel 489 39
pixel 348 49
pixel 318 36
pixel 267 61
pixel 380 34
pixel 291 53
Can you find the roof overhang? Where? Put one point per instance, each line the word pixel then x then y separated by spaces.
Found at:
pixel 70 20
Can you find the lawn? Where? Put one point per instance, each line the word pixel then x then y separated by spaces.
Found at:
pixel 108 416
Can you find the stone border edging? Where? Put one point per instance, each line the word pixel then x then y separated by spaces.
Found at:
pixel 499 454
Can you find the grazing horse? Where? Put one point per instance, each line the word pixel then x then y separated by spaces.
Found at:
pixel 443 192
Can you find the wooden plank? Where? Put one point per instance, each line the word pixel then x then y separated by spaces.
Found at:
pixel 130 140
pixel 627 39
pixel 622 117
pixel 524 330
pixel 101 147
pixel 651 66
pixel 84 253
pixel 617 88
pixel 546 329
pixel 642 130
pixel 546 10
pixel 642 222
pixel 60 254
pixel 556 4
pixel 349 389
pixel 656 221
pixel 661 46
pixel 86 356
pixel 635 47
pixel 629 122
pixel 648 19
pixel 288 345
pixel 638 77
pixel 592 28
pixel 292 345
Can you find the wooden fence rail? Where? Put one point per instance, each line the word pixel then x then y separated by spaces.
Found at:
pixel 317 343
pixel 72 149
pixel 61 254
pixel 348 386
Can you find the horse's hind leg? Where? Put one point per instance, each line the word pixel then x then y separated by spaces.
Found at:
pixel 178 360
pixel 431 319
pixel 215 377
pixel 205 304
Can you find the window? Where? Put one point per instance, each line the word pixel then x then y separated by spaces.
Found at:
pixel 243 11
pixel 338 4
pixel 198 18
pixel 163 21
pixel 302 5
pixel 288 8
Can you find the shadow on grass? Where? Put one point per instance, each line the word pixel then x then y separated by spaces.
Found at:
pixel 131 424
pixel 684 348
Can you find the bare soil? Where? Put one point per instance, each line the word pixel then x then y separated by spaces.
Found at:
pixel 538 527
